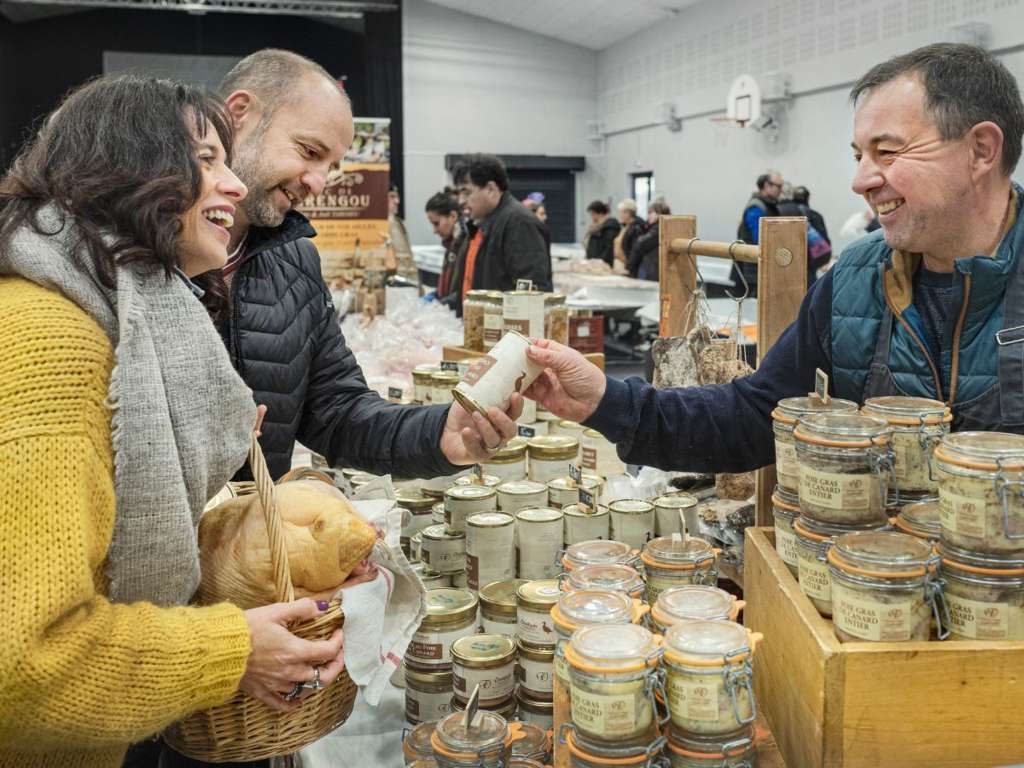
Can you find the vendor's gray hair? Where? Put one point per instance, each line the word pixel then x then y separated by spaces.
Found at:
pixel 272 75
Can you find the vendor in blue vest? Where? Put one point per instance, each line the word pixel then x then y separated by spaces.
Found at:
pixel 931 305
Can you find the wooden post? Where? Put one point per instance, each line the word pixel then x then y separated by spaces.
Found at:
pixel 678 278
pixel 781 285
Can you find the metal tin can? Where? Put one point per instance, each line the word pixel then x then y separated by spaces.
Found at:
pixel 486 480
pixel 437 513
pixel 582 524
pixel 523 313
pixel 443 550
pixel 493 378
pixel 428 694
pixel 918 424
pixel 521 494
pixel 433 579
pixel 551 456
pixel 441 385
pixel 564 491
pixel 485 660
pixel 498 606
pixel 538 542
pixel 785 510
pixel 508 463
pixel 676 561
pixel 676 513
pixel 422 382
pixel 536 712
pixel 461 501
pixel 490 548
pixel 570 428
pixel 534 600
pixel 451 614
pixel 535 670
pixel 418 507
pixel 784 420
pixel 632 521
pixel 598 455
pixel 494 321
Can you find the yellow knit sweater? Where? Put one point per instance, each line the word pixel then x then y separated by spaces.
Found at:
pixel 80 677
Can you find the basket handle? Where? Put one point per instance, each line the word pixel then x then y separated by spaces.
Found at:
pixel 283 589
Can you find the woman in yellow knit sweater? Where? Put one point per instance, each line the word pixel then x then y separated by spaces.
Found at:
pixel 120 415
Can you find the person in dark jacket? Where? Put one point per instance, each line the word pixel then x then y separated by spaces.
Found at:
pixel 643 259
pixel 930 306
pixel 534 202
pixel 506 243
pixel 443 214
pixel 632 228
pixel 604 228
pixel 764 202
pixel 819 247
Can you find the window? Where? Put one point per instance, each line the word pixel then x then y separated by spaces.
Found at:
pixel 642 191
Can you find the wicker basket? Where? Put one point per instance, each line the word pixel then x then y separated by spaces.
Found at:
pixel 245 728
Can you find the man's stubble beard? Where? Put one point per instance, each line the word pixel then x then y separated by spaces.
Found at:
pixel 255 173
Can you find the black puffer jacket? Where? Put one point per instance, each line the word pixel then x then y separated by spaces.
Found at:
pixel 285 341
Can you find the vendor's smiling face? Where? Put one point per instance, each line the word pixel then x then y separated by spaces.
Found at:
pixel 913 179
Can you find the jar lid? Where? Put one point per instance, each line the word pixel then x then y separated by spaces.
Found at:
pixel 908 411
pixel 981 563
pixel 418 740
pixel 449 604
pixel 438 532
pixel 849 430
pixel 592 606
pixel 539 515
pixel 489 730
pixel 538 595
pixel 921 519
pixel 613 576
pixel 593 434
pixel 445 378
pixel 482 649
pixel 477 294
pixel 513 449
pixel 489 520
pixel 814 529
pixel 429 677
pixel 694 601
pixel 507 710
pixel 983 450
pixel 631 507
pixel 362 478
pixel 469 493
pixel 532 740
pixel 568 484
pixel 786 500
pixel 575 510
pixel 554 298
pixel 413 500
pixel 708 640
pixel 426 369
pixel 676 501
pixel 495 297
pixel 598 551
pixel 501 594
pixel 618 646
pixel 478 481
pixel 571 426
pixel 677 551
pixel 880 553
pixel 792 408
pixel 553 447
pixel 542 653
pixel 522 487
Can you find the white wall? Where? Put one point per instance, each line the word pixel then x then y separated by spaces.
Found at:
pixel 470 85
pixel 824 45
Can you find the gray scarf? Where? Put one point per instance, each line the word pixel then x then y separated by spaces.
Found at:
pixel 181 416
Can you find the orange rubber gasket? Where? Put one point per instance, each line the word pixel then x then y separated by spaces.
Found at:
pixel 572 657
pixel 833 558
pixel 940 455
pixel 435 742
pixel 702 565
pixel 578 752
pixel 683 752
pixel 874 442
pixel 677 657
pixel 981 571
pixel 783 505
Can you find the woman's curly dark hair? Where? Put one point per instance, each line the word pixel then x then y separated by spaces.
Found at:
pixel 119 155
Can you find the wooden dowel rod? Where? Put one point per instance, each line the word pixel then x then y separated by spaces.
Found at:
pixel 718 250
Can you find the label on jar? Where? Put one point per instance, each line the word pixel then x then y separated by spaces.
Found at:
pixel 978 620
pixel 962 514
pixel 536 676
pixel 535 628
pixel 546 470
pixel 434 649
pixel 785 545
pixel 785 460
pixel 493 627
pixel 693 701
pixel 911 463
pixel 851 493
pixel 426 707
pixel 445 560
pixel 610 715
pixel 588 457
pixel 562 669
pixel 633 530
pixel 495 684
pixel 515 470
pixel 858 615
pixel 814 578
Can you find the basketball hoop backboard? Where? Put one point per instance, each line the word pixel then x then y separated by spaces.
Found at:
pixel 744 101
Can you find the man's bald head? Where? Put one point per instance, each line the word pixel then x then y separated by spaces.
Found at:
pixel 273 76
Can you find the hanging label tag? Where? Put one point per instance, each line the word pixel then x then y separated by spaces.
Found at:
pixel 525 431
pixel 575 473
pixel 395 394
pixel 587 500
pixel 449 365
pixel 478 470
pixel 821 386
pixel 524 285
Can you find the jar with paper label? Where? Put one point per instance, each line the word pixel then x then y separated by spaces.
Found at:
pixel 981 491
pixel 709 677
pixel 441 385
pixel 535 670
pixel 784 420
pixel 422 381
pixel 884 587
pixel 613 577
pixel 785 510
pixel 613 673
pixel 564 491
pixel 490 548
pixel 485 660
pixel 675 513
pixel 599 552
pixel 494 322
pixel 678 560
pixel 632 521
pixel 920 519
pixel 535 712
pixel 538 543
pixel 443 550
pixel 918 424
pixel 451 614
pixel 498 606
pixel 693 602
pixel 515 495
pixel 416 744
pixel 845 467
pixel 534 600
pixel 556 318
pixel 583 524
pixel 509 462
pixel 550 456
pixel 473 320
pixel 524 312
pixel 428 694
pixel 813 540
pixel 461 501
pixel 693 751
pixel 484 743
pixel 984 593
pixel 531 741
pixel 418 508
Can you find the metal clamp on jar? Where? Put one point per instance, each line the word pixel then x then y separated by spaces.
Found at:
pixel 582 756
pixel 677 560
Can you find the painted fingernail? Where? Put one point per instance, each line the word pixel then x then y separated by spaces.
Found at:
pixel 323 605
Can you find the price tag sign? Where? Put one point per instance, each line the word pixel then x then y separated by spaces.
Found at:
pixel 449 365
pixel 821 385
pixel 524 285
pixel 478 470
pixel 525 431
pixel 587 500
pixel 575 473
pixel 395 394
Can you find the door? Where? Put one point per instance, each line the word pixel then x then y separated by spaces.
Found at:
pixel 559 190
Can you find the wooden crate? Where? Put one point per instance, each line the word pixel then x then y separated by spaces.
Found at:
pixel 461 353
pixel 875 705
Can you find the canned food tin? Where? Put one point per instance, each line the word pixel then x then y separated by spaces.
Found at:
pixel 441 385
pixel 485 660
pixel 598 455
pixel 538 542
pixel 493 378
pixel 632 521
pixel 428 694
pixel 490 548
pixel 551 456
pixel 508 463
pixel 524 313
pixel 451 614
pixel 443 550
pixel 461 501
pixel 422 382
pixel 675 513
pixel 498 606
pixel 582 524
pixel 564 491
pixel 918 424
pixel 489 481
pixel 535 670
pixel 521 494
pixel 534 600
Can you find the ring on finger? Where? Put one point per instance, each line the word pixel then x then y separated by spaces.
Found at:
pixel 294 693
pixel 315 684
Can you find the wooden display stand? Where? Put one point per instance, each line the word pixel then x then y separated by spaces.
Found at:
pixel 864 705
pixel 454 354
pixel 781 258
